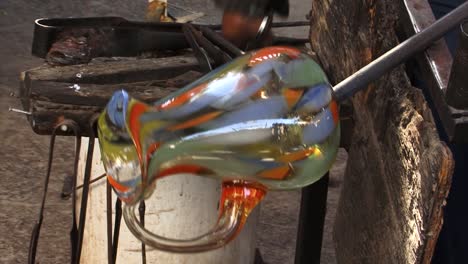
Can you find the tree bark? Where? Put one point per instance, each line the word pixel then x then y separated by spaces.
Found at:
pixel 399 171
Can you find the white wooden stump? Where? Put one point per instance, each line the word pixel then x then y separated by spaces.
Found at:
pixel 182 206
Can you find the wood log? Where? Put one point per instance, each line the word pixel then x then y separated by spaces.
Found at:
pixel 398 171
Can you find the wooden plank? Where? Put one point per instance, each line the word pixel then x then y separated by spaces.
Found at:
pixel 399 171
pixel 107 71
pixel 92 94
pixel 99 94
pixel 79 92
pixel 116 71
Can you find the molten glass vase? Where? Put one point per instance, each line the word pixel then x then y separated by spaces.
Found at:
pixel 265 121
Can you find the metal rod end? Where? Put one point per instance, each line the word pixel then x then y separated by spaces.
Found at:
pixel 11 109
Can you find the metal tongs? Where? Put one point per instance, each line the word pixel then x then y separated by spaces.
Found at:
pixel 128 38
pixel 123 37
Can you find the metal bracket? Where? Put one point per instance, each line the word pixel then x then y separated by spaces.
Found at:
pixel 434 66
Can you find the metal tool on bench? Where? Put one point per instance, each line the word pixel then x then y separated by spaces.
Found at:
pixel 127 38
pixel 116 36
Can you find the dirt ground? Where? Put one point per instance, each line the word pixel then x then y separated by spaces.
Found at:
pixel 23 154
